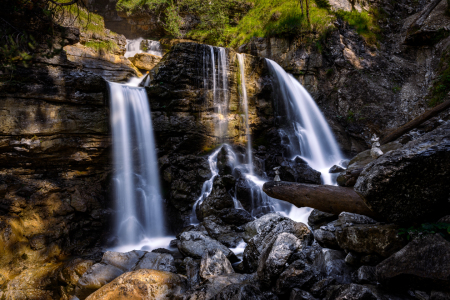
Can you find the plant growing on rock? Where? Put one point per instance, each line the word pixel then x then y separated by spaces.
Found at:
pixel 425 229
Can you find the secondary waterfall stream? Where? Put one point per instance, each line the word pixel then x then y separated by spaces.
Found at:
pixel 137 194
pixel 309 134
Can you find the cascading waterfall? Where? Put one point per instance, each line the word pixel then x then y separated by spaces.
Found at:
pixel 134 46
pixel 311 137
pixel 136 180
pixel 245 106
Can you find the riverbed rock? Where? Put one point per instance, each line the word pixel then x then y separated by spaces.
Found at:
pixel 274 258
pixel 142 284
pixel 331 263
pixel 228 235
pixel 298 294
pixel 235 216
pixel 424 262
pixel 215 264
pixel 366 274
pixel 196 245
pixel 268 228
pixel 318 218
pixel 326 238
pixel 298 275
pixel 240 291
pixel 156 261
pixel 381 239
pixel 218 199
pixel 298 170
pixel 392 187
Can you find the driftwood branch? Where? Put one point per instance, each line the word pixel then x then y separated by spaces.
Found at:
pixel 418 22
pixel 327 198
pixel 414 123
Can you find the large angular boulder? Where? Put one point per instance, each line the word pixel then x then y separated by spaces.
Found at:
pixel 424 262
pixel 145 61
pixel 298 275
pixel 274 258
pixel 264 231
pixel 331 263
pixel 196 245
pixel 410 184
pixel 142 284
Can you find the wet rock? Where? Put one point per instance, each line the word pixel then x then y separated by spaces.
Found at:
pixel 72 272
pixel 157 261
pixel 235 216
pixel 215 264
pixel 225 161
pixel 320 288
pixel 218 199
pixel 437 295
pixel 370 239
pixel 353 292
pixel 274 258
pixel 298 294
pixel 240 291
pixel 298 275
pixel 318 218
pixel 225 234
pixel 97 276
pixel 142 284
pixel 268 228
pixel 392 187
pixel 192 271
pixel 332 264
pixel 366 274
pixel 298 171
pixel 336 169
pixel 145 61
pixel 326 239
pixel 346 218
pixel 195 244
pixel 214 285
pixel 424 262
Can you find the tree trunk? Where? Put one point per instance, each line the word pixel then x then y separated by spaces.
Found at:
pixel 301 5
pixel 392 136
pixel 418 22
pixel 307 12
pixel 326 198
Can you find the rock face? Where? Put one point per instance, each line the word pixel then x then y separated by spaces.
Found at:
pixel 55 163
pixel 410 184
pixel 110 66
pixel 423 263
pixel 145 61
pixel 142 284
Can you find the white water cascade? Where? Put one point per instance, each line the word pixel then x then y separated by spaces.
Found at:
pixel 140 216
pixel 134 46
pixel 312 139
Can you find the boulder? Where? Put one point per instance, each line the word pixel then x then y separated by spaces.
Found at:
pixel 298 170
pixel 235 216
pixel 318 218
pixel 145 61
pixel 336 169
pixel 355 292
pixel 142 284
pixel 424 262
pixel 214 285
pixel 218 199
pixel 298 294
pixel 381 239
pixel 192 271
pixel 410 184
pixel 366 274
pixel 269 227
pixel 225 161
pixel 215 264
pixel 221 232
pixel 298 275
pixel 157 261
pixel 320 288
pixel 195 244
pixel 331 263
pixel 326 238
pixel 274 258
pixel 240 292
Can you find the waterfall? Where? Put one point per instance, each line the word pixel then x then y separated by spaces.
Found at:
pixel 135 46
pixel 245 106
pixel 311 137
pixel 136 179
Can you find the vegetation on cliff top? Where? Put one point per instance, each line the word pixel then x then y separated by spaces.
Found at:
pixel 235 22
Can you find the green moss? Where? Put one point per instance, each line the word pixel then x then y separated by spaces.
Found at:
pixel 441 86
pixel 365 23
pixel 107 46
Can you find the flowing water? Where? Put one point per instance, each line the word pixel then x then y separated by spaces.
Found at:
pixel 134 46
pixel 137 194
pixel 310 136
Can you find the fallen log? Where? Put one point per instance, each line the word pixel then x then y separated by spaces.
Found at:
pixel 326 198
pixel 392 136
